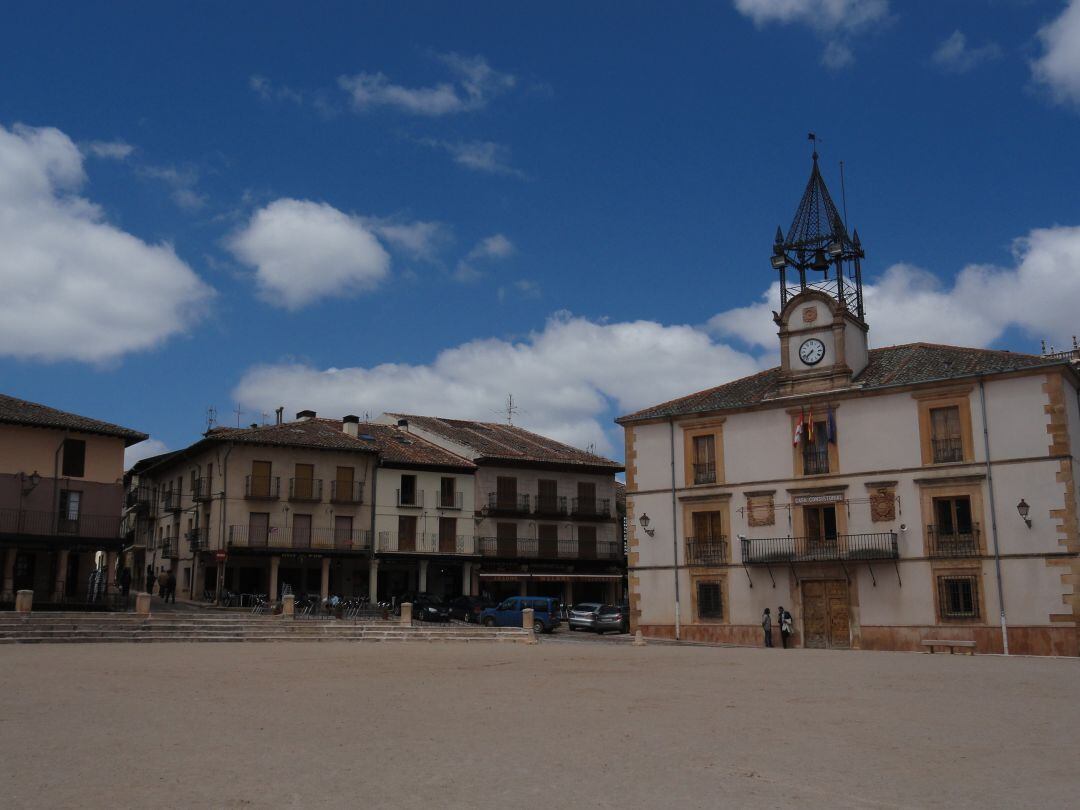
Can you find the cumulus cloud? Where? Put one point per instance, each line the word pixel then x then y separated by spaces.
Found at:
pixel 145 449
pixel 303 251
pixel 74 286
pixel 109 150
pixel 181 181
pixel 565 376
pixel 956 56
pixel 417 240
pixel 481 156
pixel 907 303
pixel 835 21
pixel 472 86
pixel 1059 66
pixel 491 248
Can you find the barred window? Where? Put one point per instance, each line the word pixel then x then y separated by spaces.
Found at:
pixel 958 597
pixel 709 602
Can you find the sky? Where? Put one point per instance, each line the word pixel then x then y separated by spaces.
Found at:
pixel 426 207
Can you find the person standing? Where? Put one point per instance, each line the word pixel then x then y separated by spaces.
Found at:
pixel 149 579
pixel 766 625
pixel 786 625
pixel 171 585
pixel 163 584
pixel 125 581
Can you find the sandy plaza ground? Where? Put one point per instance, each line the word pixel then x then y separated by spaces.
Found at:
pixel 561 724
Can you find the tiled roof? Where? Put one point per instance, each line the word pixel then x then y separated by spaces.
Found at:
pixel 20 412
pixel 398 447
pixel 909 364
pixel 498 442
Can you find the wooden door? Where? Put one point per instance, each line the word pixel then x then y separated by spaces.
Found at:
pixel 406 533
pixel 447 534
pixel 547 496
pixel 586 498
pixel 260 479
pixel 343 538
pixel 258 528
pixel 506 542
pixel 344 484
pixel 548 540
pixel 506 493
pixel 587 542
pixel 304 482
pixel 826 614
pixel 301 531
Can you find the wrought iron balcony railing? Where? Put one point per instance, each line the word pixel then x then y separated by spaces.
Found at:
pixel 305 489
pixel 508 504
pixel 139 497
pixel 947 450
pixel 300 538
pixel 347 491
pixel 201 492
pixel 413 498
pixel 197 538
pixel 46 523
pixel 425 543
pixel 953 544
pixel 591 508
pixel 875 546
pixel 550 505
pixel 450 500
pixel 706 550
pixel 168 547
pixel 705 472
pixel 547 549
pixel 170 500
pixel 815 462
pixel 262 487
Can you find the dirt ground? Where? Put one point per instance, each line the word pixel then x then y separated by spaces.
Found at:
pixel 558 725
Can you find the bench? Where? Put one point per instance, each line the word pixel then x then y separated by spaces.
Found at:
pixel 930 643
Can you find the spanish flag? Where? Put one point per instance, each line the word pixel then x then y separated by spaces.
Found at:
pixel 810 426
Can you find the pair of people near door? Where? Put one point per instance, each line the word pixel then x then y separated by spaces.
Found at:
pixel 786 625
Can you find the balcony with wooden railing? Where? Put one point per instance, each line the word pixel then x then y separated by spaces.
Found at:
pixel 706 550
pixel 548 549
pixel 299 539
pixel 262 487
pixel 953 544
pixel 874 546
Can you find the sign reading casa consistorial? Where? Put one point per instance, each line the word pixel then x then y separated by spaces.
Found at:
pixel 884 497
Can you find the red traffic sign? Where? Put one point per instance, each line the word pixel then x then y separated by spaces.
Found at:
pixel 220 555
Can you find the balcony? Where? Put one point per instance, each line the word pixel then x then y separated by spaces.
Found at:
pixel 429 543
pixel 409 498
pixel 170 500
pixel 262 487
pixel 550 506
pixel 705 472
pixel 815 462
pixel 507 504
pixel 552 549
pixel 953 544
pixel 591 508
pixel 706 551
pixel 299 539
pixel 347 492
pixel 198 538
pixel 305 489
pixel 168 547
pixel 878 546
pixel 52 524
pixel 201 491
pixel 139 497
pixel 947 451
pixel 449 500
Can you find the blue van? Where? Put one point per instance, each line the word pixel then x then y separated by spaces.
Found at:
pixel 546 615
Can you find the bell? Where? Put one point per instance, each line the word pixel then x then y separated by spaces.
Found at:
pixel 820 262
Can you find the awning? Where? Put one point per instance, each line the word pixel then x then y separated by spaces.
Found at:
pixel 505 577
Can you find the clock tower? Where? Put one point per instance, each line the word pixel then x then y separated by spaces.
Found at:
pixel 823 342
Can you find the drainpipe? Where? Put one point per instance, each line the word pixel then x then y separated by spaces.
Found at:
pixel 674 532
pixel 993 519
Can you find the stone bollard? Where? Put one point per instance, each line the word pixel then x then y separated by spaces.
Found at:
pixel 406 612
pixel 142 604
pixel 24 601
pixel 639 640
pixel 288 606
pixel 527 622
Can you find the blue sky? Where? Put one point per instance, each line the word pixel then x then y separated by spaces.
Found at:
pixel 426 206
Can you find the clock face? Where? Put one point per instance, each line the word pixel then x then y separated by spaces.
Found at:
pixel 812 351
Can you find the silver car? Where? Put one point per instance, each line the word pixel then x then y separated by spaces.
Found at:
pixel 583 615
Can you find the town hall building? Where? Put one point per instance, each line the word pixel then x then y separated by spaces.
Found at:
pixel 884 497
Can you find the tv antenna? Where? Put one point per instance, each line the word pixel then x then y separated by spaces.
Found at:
pixel 238 413
pixel 510 409
pixel 211 417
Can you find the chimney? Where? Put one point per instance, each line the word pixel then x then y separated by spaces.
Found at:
pixel 351 425
pixel 403 424
pixel 304 416
pixel 279 413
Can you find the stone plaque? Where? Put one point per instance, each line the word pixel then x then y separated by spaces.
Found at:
pixel 760 511
pixel 809 315
pixel 882 506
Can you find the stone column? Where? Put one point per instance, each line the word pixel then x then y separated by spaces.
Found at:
pixel 406 612
pixel 423 576
pixel 527 623
pixel 466 579
pixel 142 604
pixel 324 588
pixel 373 581
pixel 288 605
pixel 110 571
pixel 274 563
pixel 8 593
pixel 24 601
pixel 61 574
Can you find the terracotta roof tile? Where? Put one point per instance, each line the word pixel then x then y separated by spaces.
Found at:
pixel 20 412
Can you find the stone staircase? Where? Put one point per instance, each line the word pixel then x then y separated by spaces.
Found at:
pixel 66 628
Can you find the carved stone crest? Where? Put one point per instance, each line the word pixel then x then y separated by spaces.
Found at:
pixel 882 506
pixel 809 315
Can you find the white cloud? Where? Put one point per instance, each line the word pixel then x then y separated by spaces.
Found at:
pixel 833 20
pixel 268 91
pixel 955 56
pixel 182 182
pixel 522 288
pixel 108 150
pixel 1037 295
pixel 303 251
pixel 565 377
pixel 75 287
pixel 474 84
pixel 481 156
pixel 417 240
pixel 491 248
pixel 144 449
pixel 1059 65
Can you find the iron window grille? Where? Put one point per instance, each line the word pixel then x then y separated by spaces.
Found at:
pixel 958 597
pixel 710 601
pixel 705 472
pixel 815 461
pixel 947 450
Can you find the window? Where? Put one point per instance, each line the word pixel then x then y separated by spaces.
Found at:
pixel 260 479
pixel 70 502
pixel 303 481
pixel 506 493
pixel 710 603
pixel 953 533
pixel 407 493
pixel 958 597
pixel 586 499
pixel 815 450
pixel 406 532
pixel 946 442
pixel 344 488
pixel 547 497
pixel 447 493
pixel 74 458
pixel 707 526
pixel 705 459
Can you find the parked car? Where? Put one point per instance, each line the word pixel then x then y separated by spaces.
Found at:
pixel 612 617
pixel 583 615
pixel 426 606
pixel 508 613
pixel 469 608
